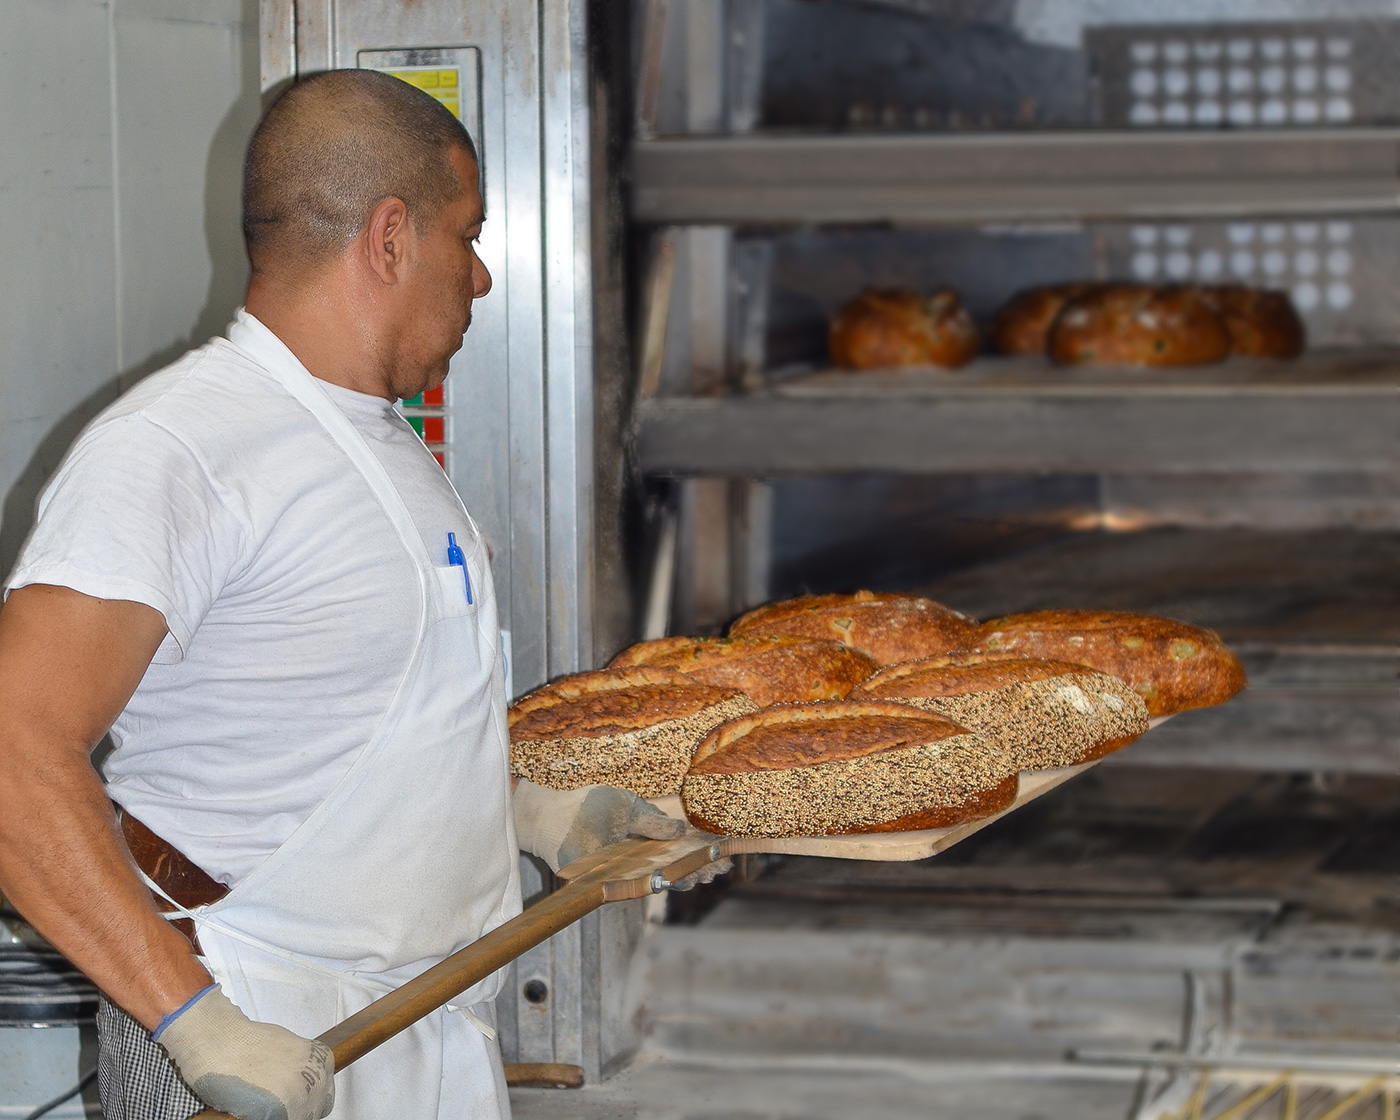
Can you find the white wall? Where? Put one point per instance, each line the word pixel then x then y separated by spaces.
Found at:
pixel 122 129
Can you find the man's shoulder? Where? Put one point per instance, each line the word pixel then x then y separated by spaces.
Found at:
pixel 217 384
pixel 216 402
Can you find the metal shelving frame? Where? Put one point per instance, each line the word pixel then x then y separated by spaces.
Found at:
pixel 721 418
pixel 1331 411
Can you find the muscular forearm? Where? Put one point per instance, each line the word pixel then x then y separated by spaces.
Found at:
pixel 68 665
pixel 65 868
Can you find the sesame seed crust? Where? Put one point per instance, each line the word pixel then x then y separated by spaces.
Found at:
pixel 1044 724
pixel 950 780
pixel 650 761
pixel 826 732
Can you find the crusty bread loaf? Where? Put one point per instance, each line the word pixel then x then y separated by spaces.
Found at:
pixel 843 767
pixel 633 728
pixel 1044 714
pixel 890 628
pixel 1172 665
pixel 1138 325
pixel 1022 326
pixel 1261 323
pixel 887 329
pixel 772 669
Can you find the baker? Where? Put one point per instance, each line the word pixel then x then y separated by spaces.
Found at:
pixel 252 572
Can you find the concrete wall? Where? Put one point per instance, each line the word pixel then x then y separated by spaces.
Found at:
pixel 122 129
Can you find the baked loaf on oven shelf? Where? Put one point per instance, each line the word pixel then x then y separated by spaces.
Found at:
pixel 771 669
pixel 1261 323
pixel 843 767
pixel 890 628
pixel 1139 325
pixel 1022 326
pixel 1172 665
pixel 633 728
pixel 887 329
pixel 1044 714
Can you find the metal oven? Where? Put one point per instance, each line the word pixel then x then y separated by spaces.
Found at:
pixel 681 193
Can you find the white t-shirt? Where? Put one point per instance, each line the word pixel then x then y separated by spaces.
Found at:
pixel 211 494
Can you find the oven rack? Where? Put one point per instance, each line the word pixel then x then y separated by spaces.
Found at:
pixel 1329 411
pixel 781 179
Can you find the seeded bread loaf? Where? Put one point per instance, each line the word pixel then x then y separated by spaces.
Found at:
pixel 773 669
pixel 1139 325
pixel 887 329
pixel 1022 326
pixel 843 767
pixel 1044 714
pixel 1172 665
pixel 1261 323
pixel 632 728
pixel 889 628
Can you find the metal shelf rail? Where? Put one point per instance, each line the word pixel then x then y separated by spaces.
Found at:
pixel 1328 411
pixel 1030 176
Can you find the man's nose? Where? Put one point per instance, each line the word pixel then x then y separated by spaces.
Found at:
pixel 481 280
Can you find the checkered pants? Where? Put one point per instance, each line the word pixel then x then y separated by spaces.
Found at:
pixel 134 1077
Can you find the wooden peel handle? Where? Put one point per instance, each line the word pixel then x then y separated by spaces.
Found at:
pixel 423 995
pixel 629 869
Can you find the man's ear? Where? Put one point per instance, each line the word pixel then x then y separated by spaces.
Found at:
pixel 386 239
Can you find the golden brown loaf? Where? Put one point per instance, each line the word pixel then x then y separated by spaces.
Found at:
pixel 886 329
pixel 633 728
pixel 773 669
pixel 1261 323
pixel 1022 326
pixel 890 628
pixel 843 767
pixel 1044 714
pixel 1172 665
pixel 1137 325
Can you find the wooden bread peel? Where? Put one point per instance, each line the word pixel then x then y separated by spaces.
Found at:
pixel 627 870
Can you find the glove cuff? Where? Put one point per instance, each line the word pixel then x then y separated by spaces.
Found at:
pixel 168 1019
pixel 247 1068
pixel 186 1034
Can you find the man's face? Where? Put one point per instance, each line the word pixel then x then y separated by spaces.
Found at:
pixel 437 297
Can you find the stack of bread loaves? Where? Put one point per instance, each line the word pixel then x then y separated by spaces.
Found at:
pixel 1117 324
pixel 872 712
pixel 1143 325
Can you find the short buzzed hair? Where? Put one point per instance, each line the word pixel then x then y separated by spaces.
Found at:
pixel 329 150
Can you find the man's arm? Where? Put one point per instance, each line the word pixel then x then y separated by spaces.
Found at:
pixel 68 665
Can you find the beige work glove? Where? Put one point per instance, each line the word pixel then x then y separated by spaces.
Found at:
pixel 561 826
pixel 255 1071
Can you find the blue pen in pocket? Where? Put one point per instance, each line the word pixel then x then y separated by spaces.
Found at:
pixel 454 556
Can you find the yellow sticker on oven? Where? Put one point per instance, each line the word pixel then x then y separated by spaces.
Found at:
pixel 438 83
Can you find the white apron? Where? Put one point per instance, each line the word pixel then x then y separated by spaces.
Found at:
pixel 412 855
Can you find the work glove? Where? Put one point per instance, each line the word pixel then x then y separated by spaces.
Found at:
pixel 561 826
pixel 255 1071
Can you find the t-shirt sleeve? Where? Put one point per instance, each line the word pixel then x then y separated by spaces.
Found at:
pixel 132 514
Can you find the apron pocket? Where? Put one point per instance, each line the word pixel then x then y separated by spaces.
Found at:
pixel 457 593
